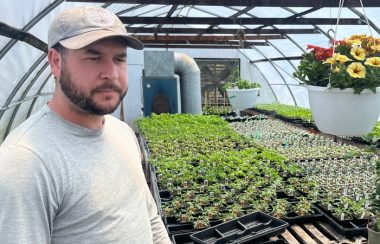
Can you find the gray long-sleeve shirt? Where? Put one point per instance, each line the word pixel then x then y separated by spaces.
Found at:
pixel 63 183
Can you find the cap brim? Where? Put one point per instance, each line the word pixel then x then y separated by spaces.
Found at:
pixel 87 38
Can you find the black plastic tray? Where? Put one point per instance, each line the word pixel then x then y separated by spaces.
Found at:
pixel 288 119
pixel 309 218
pixel 309 125
pixel 255 226
pixel 165 195
pixel 175 227
pixel 244 118
pixel 347 228
pixel 182 239
pixel 263 111
pixel 185 239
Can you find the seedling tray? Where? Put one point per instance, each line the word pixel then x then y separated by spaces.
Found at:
pixel 252 227
pixel 182 239
pixel 185 239
pixel 309 125
pixel 175 227
pixel 348 228
pixel 272 113
pixel 165 195
pixel 288 119
pixel 293 218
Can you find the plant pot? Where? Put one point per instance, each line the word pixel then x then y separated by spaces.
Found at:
pixel 242 99
pixel 373 236
pixel 343 113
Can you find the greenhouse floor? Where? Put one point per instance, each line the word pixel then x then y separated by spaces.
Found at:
pixel 317 228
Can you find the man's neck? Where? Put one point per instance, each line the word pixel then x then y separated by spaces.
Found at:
pixel 74 115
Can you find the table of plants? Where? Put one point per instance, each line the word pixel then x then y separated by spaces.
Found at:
pixel 301 116
pixel 208 171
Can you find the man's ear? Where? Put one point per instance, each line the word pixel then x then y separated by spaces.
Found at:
pixel 55 62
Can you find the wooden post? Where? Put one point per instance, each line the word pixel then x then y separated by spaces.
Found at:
pixel 216 95
pixel 206 98
pixel 122 111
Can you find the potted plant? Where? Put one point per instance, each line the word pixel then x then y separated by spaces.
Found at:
pixel 184 218
pixel 303 207
pixel 374 225
pixel 241 93
pixel 342 82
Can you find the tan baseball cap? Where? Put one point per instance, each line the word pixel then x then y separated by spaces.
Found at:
pixel 78 27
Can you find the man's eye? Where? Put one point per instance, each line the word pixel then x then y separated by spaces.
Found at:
pixel 120 60
pixel 94 58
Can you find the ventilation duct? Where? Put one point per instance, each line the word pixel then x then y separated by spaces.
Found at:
pixel 160 68
pixel 190 80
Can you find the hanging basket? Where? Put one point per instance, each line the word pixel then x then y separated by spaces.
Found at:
pixel 242 98
pixel 373 236
pixel 343 113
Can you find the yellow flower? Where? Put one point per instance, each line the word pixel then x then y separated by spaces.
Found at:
pixel 337 58
pixel 375 47
pixel 356 70
pixel 355 39
pixel 342 58
pixel 375 61
pixel 331 60
pixel 374 44
pixel 336 70
pixel 358 53
pixel 361 36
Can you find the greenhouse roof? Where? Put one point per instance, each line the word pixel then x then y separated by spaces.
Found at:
pixel 271 34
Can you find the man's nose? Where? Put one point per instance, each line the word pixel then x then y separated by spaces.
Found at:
pixel 109 70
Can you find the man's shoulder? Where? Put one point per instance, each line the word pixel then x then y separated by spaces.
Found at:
pixel 113 121
pixel 33 125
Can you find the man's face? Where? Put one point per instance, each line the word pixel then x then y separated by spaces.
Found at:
pixel 94 78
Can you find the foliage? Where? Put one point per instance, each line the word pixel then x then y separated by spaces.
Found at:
pixel 216 110
pixel 313 71
pixel 375 205
pixel 209 168
pixel 303 207
pixel 288 111
pixel 374 135
pixel 240 83
pixel 355 64
pixel 292 142
pixel 186 135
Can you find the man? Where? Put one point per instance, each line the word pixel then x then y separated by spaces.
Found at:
pixel 71 173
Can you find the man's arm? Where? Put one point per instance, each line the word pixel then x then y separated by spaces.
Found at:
pixel 26 197
pixel 160 235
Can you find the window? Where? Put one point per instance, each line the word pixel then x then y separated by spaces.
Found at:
pixel 214 74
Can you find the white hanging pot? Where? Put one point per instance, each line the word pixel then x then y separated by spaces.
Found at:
pixel 242 98
pixel 343 113
pixel 373 236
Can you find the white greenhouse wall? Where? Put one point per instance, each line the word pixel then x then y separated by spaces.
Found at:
pixel 133 101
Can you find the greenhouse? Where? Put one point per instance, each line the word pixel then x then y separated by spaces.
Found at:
pixel 221 121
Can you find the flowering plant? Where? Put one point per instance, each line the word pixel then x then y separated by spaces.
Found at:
pixel 354 63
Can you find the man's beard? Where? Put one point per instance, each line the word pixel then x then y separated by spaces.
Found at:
pixel 87 103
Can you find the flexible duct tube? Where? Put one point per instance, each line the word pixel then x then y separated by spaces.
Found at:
pixel 190 76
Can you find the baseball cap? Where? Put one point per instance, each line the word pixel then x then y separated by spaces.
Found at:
pixel 75 28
